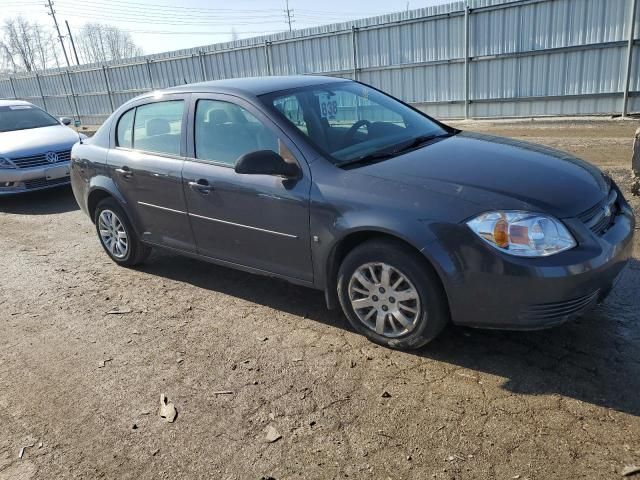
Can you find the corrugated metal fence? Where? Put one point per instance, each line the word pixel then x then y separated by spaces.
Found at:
pixel 481 58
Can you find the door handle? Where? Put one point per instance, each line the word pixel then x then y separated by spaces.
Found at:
pixel 201 186
pixel 124 171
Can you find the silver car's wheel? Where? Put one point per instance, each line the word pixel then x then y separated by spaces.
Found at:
pixel 384 299
pixel 113 234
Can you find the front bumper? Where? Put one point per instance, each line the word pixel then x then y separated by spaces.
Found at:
pixel 18 180
pixel 489 289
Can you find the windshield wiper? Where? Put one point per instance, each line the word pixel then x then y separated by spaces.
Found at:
pixel 370 158
pixel 418 141
pixel 392 152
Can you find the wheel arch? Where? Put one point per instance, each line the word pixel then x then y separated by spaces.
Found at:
pixel 101 188
pixel 353 239
pixel 94 198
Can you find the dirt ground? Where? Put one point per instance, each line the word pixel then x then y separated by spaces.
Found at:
pixel 80 387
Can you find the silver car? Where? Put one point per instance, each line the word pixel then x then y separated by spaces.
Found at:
pixel 35 148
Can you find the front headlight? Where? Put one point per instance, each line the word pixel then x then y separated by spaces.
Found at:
pixel 523 234
pixel 5 163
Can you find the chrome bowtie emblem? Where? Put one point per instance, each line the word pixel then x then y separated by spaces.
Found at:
pixel 51 157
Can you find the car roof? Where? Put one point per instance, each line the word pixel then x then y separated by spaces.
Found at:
pixel 255 85
pixel 10 103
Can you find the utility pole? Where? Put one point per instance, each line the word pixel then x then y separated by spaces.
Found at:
pixel 288 12
pixel 60 37
pixel 627 80
pixel 73 44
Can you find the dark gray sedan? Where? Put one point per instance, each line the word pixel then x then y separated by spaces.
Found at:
pixel 329 183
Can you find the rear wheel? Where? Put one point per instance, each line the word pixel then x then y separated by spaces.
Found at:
pixel 117 236
pixel 391 295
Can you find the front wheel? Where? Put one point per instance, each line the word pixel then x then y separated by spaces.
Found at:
pixel 117 236
pixel 391 295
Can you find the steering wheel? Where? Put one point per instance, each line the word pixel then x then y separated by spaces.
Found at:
pixel 348 136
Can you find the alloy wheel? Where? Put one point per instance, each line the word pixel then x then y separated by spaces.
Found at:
pixel 384 299
pixel 113 234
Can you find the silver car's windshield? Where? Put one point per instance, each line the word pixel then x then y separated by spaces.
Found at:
pixel 351 122
pixel 23 117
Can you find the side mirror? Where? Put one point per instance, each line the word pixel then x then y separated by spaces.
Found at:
pixel 265 162
pixel 66 120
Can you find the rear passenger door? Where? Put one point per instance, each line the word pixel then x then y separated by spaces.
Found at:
pixel 146 165
pixel 258 221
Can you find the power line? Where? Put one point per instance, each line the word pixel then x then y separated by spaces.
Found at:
pixel 151 8
pixel 207 32
pixel 157 7
pixel 158 21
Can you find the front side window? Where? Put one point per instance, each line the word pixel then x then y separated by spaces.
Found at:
pixel 158 127
pixel 24 117
pixel 351 122
pixel 225 131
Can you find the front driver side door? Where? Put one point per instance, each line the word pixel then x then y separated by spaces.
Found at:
pixel 256 221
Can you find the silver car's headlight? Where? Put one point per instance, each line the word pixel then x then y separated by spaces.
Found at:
pixel 524 234
pixel 5 163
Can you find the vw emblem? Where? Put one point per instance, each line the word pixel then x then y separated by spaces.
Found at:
pixel 607 211
pixel 51 157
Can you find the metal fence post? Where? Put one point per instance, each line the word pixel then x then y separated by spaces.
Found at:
pixel 627 80
pixel 13 88
pixel 108 85
pixel 354 46
pixel 467 14
pixel 73 95
pixel 44 102
pixel 150 73
pixel 267 56
pixel 202 65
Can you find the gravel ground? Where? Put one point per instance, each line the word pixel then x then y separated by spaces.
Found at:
pixel 241 356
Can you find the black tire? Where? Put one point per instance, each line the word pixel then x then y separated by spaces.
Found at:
pixel 434 312
pixel 136 252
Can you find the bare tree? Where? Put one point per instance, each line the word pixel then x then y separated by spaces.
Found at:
pixel 26 46
pixel 101 43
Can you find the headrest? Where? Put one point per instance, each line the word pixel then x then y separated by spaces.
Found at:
pixel 217 116
pixel 158 126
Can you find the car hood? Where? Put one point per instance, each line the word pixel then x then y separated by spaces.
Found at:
pixel 499 173
pixel 22 143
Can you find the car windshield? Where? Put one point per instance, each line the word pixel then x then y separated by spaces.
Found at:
pixel 23 117
pixel 353 123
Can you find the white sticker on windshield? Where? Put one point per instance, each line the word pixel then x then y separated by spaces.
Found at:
pixel 19 107
pixel 328 106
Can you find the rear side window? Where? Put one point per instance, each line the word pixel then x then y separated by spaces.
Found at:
pixel 125 129
pixel 225 131
pixel 158 127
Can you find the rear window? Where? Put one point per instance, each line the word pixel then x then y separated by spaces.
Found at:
pixel 155 127
pixel 125 129
pixel 24 117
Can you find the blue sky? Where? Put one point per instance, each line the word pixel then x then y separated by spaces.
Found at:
pixel 161 25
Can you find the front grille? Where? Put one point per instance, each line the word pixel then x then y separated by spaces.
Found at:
pixel 601 216
pixel 40 159
pixel 558 310
pixel 43 182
